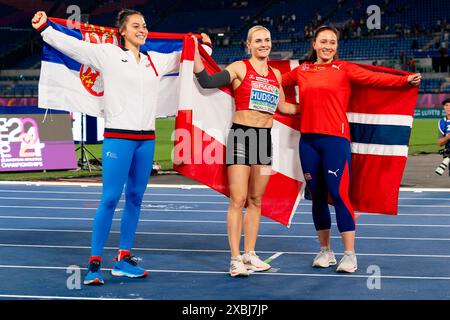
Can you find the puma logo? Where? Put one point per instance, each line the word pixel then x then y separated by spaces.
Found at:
pixel 337 67
pixel 111 155
pixel 333 172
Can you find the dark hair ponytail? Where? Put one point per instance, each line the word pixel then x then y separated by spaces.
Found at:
pixel 312 52
pixel 123 15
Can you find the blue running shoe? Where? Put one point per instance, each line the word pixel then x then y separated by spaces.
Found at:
pixel 93 276
pixel 127 267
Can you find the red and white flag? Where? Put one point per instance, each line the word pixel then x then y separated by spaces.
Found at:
pixel 380 121
pixel 203 120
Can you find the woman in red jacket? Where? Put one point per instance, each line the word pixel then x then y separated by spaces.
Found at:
pixel 324 89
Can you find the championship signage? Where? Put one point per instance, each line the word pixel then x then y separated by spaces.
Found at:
pixel 29 141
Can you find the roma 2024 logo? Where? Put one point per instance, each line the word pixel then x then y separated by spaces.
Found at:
pixel 20 130
pixel 91 78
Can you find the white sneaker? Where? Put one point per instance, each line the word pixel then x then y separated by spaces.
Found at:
pixel 324 258
pixel 348 263
pixel 237 267
pixel 253 262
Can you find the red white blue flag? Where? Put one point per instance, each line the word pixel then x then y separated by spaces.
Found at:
pixel 66 84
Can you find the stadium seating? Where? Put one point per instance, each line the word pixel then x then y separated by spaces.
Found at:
pixel 431 85
pixel 407 26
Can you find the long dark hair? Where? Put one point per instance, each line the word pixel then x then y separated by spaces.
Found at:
pixel 312 52
pixel 123 15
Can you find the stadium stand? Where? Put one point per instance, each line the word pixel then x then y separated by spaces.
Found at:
pixel 413 32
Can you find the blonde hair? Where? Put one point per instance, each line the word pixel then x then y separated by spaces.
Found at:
pixel 253 30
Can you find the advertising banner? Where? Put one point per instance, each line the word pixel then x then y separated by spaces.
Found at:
pixel 31 141
pixel 429 106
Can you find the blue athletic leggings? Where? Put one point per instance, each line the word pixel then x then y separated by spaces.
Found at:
pixel 125 162
pixel 326 166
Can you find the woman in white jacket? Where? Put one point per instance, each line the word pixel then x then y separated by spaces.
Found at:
pixel 131 81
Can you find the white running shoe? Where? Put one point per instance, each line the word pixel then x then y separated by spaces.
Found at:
pixel 324 258
pixel 237 267
pixel 253 262
pixel 348 263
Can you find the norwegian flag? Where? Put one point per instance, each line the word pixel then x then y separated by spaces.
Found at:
pixel 380 121
pixel 380 127
pixel 203 120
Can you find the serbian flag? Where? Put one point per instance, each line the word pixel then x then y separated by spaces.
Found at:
pixel 203 120
pixel 67 85
pixel 380 127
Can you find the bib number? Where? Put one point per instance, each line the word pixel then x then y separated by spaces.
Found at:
pixel 264 97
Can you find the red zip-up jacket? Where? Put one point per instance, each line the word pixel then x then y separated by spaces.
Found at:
pixel 324 93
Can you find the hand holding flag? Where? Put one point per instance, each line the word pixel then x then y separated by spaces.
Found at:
pixel 414 79
pixel 39 19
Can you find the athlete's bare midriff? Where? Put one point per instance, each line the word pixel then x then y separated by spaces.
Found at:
pixel 252 118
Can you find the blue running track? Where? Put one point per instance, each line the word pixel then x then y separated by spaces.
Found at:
pixel 182 241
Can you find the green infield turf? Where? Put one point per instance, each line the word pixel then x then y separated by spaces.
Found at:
pixel 423 140
pixel 424 135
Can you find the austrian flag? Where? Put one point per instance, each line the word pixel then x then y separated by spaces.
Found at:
pixel 203 120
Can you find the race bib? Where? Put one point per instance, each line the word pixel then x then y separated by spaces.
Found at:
pixel 264 97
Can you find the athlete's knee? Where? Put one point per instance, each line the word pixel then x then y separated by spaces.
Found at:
pixel 313 190
pixel 134 198
pixel 109 201
pixel 238 202
pixel 345 218
pixel 347 225
pixel 322 220
pixel 340 198
pixel 335 194
pixel 254 201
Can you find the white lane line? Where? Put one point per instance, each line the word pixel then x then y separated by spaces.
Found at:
pixel 15 296
pixel 337 275
pixel 99 193
pixel 98 200
pixel 215 234
pixel 312 253
pixel 400 214
pixel 85 184
pixel 224 222
pixel 164 209
pixel 189 202
pixel 170 186
pixel 421 190
pixel 95 208
pixel 438 199
pixel 48 207
pixel 169 194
